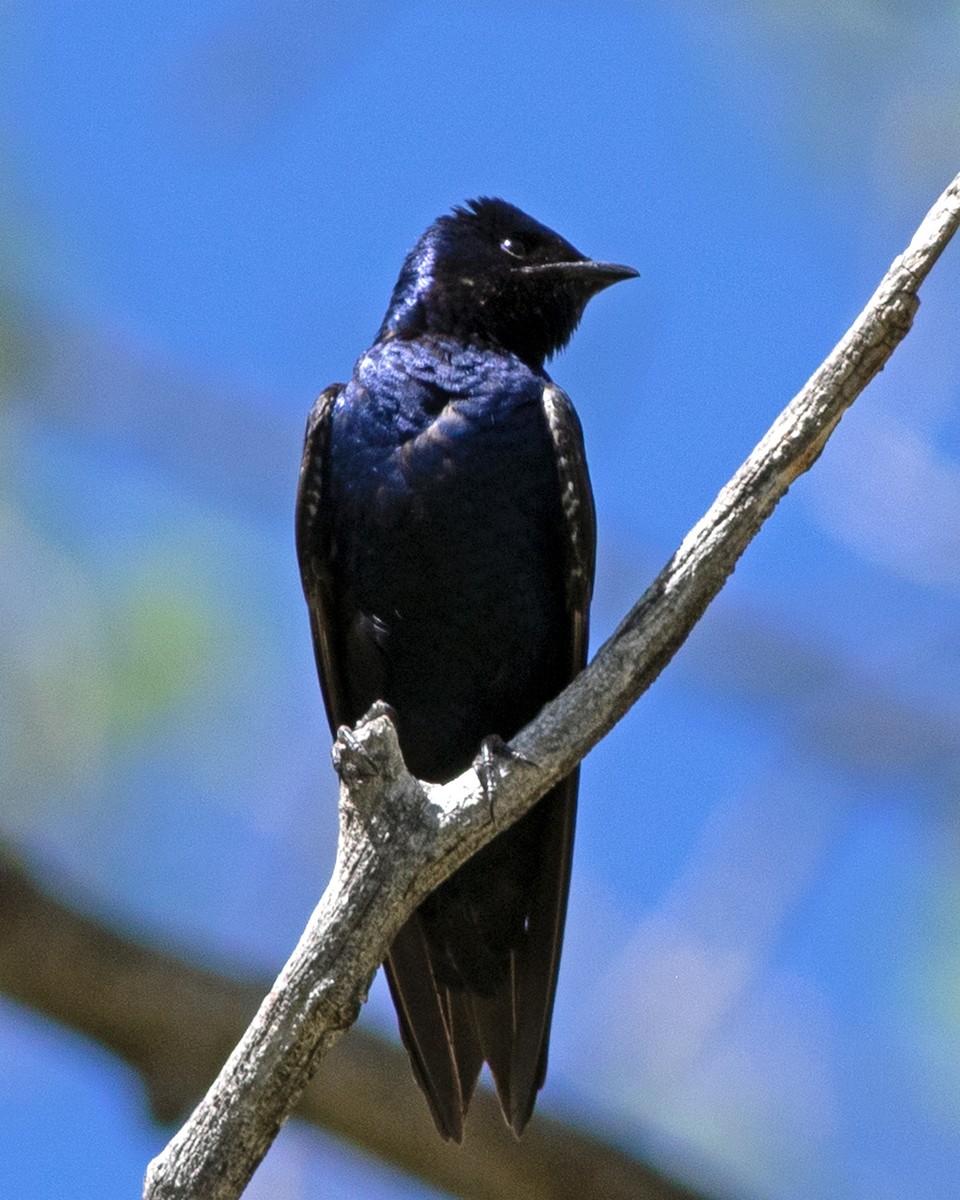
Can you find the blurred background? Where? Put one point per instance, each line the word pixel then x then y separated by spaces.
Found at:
pixel 203 208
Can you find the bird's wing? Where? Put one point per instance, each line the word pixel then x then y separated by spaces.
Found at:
pixel 514 1026
pixel 313 548
pixel 580 520
pixel 448 1033
pixel 538 957
pixel 436 1025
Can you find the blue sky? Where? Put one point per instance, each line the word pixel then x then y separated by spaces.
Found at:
pixel 204 208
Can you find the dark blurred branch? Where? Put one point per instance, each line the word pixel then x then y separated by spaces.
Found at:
pixel 400 837
pixel 175 1023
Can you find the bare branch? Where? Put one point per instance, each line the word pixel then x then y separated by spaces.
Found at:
pixel 400 838
pixel 174 1023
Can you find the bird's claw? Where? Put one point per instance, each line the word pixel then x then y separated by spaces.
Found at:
pixel 489 763
pixel 349 751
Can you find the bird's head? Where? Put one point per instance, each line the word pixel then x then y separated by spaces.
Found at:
pixel 489 275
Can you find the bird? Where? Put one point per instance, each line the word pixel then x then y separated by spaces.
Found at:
pixel 446 533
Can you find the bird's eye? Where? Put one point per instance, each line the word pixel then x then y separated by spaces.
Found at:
pixel 514 247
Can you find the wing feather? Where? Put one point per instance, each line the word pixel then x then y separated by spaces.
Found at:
pixel 312 532
pixel 448 1034
pixel 514 1026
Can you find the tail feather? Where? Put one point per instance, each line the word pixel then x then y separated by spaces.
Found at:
pixel 467 1051
pixel 427 1030
pixel 494 1018
pixel 538 964
pixel 449 1033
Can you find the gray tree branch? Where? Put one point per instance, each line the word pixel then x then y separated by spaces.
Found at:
pixel 400 838
pixel 174 1023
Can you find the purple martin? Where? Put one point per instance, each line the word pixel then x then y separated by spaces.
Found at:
pixel 445 533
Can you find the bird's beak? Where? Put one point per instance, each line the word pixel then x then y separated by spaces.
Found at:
pixel 595 276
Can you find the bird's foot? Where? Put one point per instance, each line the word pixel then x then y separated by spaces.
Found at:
pixel 350 751
pixel 493 756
